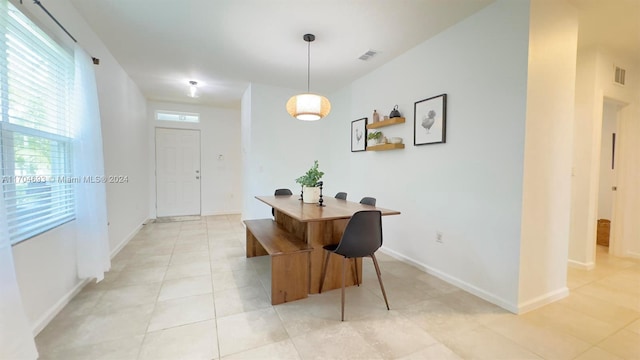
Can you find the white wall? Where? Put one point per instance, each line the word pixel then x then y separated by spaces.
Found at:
pixel 581 251
pixel 245 151
pixel 594 85
pixel 221 167
pixel 277 148
pixel 625 239
pixel 469 188
pixel 546 196
pixel 45 264
pixel 46 272
pixel 605 194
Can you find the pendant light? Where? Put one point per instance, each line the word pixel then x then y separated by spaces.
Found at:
pixel 308 106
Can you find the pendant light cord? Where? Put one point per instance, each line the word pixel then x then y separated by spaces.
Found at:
pixel 308 64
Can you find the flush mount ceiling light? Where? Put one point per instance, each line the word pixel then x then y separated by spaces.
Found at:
pixel 308 106
pixel 193 88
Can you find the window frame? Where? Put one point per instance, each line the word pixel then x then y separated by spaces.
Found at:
pixel 36 217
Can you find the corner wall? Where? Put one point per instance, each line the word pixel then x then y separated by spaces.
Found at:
pixel 45 264
pixel 277 148
pixel 546 193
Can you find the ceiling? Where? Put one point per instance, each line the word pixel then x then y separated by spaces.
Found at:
pixel 610 24
pixel 226 44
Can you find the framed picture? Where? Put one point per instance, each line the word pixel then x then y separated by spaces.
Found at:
pixel 430 120
pixel 359 135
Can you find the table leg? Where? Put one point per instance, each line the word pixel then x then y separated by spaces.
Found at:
pixel 318 234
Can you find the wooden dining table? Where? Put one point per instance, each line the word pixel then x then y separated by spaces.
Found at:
pixel 320 226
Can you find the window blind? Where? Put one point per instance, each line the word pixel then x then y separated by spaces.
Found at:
pixel 36 86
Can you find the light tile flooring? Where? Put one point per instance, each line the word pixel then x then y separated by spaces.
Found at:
pixel 185 290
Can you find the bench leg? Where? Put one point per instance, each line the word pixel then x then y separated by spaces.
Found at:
pixel 253 246
pixel 289 277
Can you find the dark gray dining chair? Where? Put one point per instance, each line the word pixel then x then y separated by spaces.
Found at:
pixel 341 196
pixel 368 201
pixel 361 238
pixel 280 192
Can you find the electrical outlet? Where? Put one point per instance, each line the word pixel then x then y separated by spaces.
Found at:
pixel 439 237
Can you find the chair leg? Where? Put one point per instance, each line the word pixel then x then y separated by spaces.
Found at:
pixel 384 294
pixel 355 272
pixel 344 278
pixel 324 269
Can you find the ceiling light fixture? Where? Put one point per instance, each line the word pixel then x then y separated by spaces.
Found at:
pixel 193 88
pixel 308 106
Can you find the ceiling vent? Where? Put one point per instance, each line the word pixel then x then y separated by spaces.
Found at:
pixel 368 55
pixel 619 75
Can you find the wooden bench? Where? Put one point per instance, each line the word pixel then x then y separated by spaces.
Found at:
pixel 289 258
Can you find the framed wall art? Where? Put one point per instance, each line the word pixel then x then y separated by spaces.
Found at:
pixel 359 135
pixel 430 120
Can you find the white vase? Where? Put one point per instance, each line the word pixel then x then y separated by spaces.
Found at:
pixel 310 194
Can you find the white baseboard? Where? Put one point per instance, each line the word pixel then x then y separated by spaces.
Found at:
pixel 217 213
pixel 632 254
pixel 45 319
pixel 128 238
pixel 454 281
pixel 543 300
pixel 581 265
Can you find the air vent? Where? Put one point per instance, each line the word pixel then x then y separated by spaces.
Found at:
pixel 619 75
pixel 369 54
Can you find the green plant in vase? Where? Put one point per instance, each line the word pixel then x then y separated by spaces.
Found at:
pixel 374 137
pixel 310 193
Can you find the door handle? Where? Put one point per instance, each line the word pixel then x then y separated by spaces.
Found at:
pixel 197 171
pixel 197 177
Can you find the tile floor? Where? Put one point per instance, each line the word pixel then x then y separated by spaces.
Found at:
pixel 185 290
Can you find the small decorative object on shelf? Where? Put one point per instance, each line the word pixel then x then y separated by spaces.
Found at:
pixel 395 113
pixel 375 116
pixel 374 138
pixel 320 201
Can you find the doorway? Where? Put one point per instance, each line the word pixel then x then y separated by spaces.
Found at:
pixel 177 172
pixel 607 177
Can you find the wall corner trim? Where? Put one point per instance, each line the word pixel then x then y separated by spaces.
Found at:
pixel 45 319
pixel 581 265
pixel 543 300
pixel 126 240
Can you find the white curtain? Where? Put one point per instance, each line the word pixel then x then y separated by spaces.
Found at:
pixel 91 200
pixel 16 338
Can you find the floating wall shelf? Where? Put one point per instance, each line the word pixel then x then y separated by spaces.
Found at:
pixel 383 147
pixel 383 123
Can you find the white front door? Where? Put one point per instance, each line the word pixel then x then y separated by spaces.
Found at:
pixel 177 172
